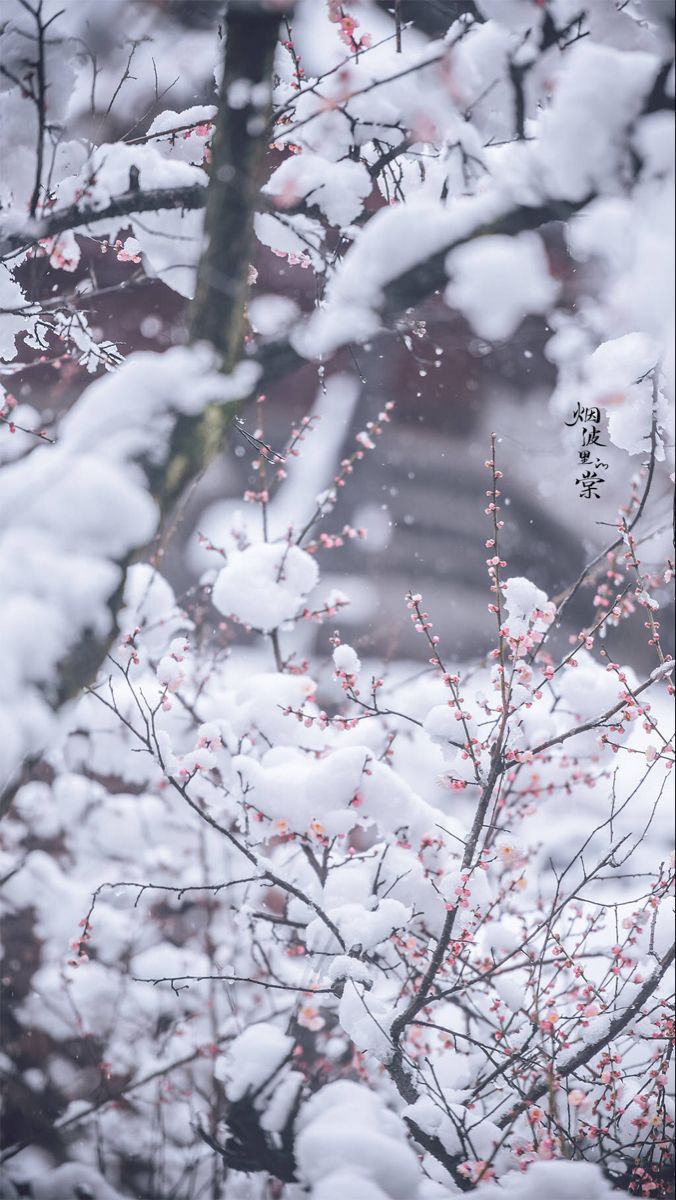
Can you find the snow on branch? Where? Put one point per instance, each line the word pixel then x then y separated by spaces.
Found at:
pixel 289 910
pixel 136 439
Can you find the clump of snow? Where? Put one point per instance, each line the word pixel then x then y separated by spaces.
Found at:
pixel 349 1144
pixel 620 362
pixel 522 600
pixel 188 145
pixel 74 510
pixel 280 1104
pixel 149 604
pixel 272 315
pixel 366 1016
pixel 345 659
pixel 579 156
pixel 170 673
pixel 107 176
pixel 266 585
pixel 337 188
pixel 496 281
pixel 442 727
pixel 253 1058
pixel 431 1117
pixel 619 378
pixel 319 795
pixel 395 239
pixel 344 967
pixel 260 701
pixel 368 929
pixel 555 1180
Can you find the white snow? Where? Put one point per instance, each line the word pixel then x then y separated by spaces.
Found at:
pixel 72 511
pixel 579 155
pixel 253 1058
pixel 395 239
pixel 346 659
pixel 349 1144
pixel 555 1180
pixel 368 929
pixel 265 585
pixel 442 727
pixel 496 281
pixel 337 188
pixel 522 599
pixel 366 824
pixel 272 315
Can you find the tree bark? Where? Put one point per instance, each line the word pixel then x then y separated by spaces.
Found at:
pixel 239 146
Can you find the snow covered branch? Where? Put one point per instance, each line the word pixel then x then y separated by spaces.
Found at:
pixel 79 217
pixel 294 903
